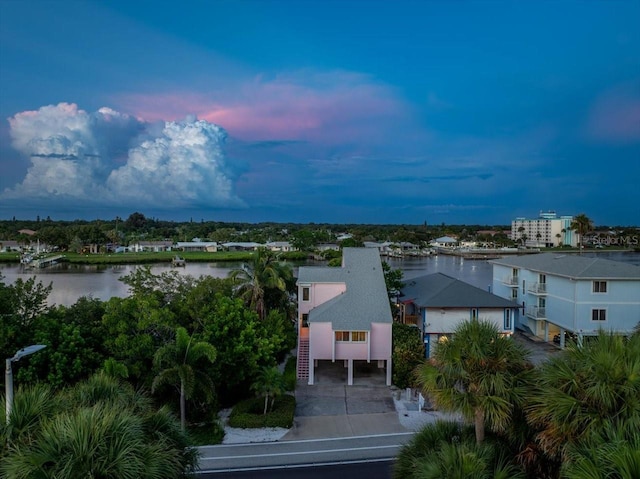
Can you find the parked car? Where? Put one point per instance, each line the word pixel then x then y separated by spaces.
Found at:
pixel 568 336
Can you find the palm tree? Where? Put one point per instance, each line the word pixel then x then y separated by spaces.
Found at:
pixel 255 279
pixel 581 224
pixel 181 360
pixel 100 428
pixel 585 390
pixel 558 236
pixel 447 449
pixel 521 230
pixel 477 373
pixel 269 384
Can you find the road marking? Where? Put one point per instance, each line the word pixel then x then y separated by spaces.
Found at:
pixel 301 453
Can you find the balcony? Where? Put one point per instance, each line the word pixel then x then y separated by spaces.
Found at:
pixel 411 319
pixel 511 281
pixel 539 289
pixel 536 312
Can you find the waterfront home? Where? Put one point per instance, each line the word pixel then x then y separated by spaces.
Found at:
pixel 444 242
pixel 242 246
pixel 280 246
pixel 344 315
pixel 208 246
pixel 7 246
pixel 152 246
pixel 568 293
pixel 436 304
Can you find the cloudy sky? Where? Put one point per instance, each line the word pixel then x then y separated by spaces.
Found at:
pixel 320 111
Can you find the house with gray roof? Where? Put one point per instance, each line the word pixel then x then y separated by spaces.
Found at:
pixel 437 304
pixel 344 315
pixel 568 293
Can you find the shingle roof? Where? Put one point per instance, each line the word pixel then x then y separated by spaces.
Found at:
pixel 572 266
pixel 441 291
pixel 365 300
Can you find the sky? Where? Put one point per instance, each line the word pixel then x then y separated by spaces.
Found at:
pixel 396 112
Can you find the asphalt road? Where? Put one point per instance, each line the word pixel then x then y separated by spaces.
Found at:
pixel 314 452
pixel 381 469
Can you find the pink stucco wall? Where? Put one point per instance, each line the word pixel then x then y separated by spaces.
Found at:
pixel 319 293
pixel 352 350
pixel 320 341
pixel 380 340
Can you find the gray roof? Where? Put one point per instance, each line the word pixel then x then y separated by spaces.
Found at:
pixel 365 300
pixel 572 266
pixel 441 291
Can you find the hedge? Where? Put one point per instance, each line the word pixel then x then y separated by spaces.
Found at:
pixel 248 413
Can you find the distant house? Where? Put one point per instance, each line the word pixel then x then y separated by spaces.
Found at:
pixel 437 304
pixel 27 232
pixel 7 246
pixel 151 246
pixel 208 246
pixel 242 246
pixel 280 246
pixel 328 247
pixel 444 242
pixel 344 315
pixel 570 293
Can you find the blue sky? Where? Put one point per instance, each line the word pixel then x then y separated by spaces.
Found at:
pixel 320 111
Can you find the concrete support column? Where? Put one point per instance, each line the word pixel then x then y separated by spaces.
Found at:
pixel 389 368
pixel 312 368
pixel 562 338
pixel 546 331
pixel 350 372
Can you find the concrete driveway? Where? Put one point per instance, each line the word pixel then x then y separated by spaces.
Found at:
pixel 331 409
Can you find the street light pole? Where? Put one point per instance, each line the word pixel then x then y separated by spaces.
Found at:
pixel 8 374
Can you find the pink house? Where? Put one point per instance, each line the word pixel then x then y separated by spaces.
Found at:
pixel 344 315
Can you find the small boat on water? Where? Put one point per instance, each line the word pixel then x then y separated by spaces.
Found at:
pixel 178 261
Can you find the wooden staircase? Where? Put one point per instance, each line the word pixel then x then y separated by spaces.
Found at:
pixel 303 359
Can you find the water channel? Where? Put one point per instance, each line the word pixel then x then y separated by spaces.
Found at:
pixel 71 282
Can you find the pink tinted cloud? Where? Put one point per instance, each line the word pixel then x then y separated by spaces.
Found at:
pixel 615 116
pixel 330 107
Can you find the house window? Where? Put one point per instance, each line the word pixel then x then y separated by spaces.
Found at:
pixel 305 320
pixel 351 336
pixel 598 314
pixel 342 336
pixel 305 293
pixel 523 286
pixel 507 319
pixel 599 286
pixel 514 272
pixel 542 279
pixel 514 294
pixel 474 314
pixel 359 336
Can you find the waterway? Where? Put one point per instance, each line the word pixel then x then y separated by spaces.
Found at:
pixel 71 282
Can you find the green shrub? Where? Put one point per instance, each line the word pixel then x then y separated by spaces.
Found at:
pixel 290 374
pixel 248 413
pixel 205 434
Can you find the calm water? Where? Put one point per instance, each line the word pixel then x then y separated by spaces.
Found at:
pixel 71 282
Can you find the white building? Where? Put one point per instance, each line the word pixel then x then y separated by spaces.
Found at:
pixel 547 230
pixel 561 293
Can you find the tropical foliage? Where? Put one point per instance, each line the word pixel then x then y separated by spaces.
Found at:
pixel 262 281
pixel 478 373
pixel 100 428
pixel 449 450
pixel 587 397
pixel 178 364
pixel 407 353
pixel 581 224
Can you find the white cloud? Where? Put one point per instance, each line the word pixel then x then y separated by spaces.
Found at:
pixel 111 158
pixel 184 165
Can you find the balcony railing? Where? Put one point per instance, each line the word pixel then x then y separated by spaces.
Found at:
pixel 411 319
pixel 536 312
pixel 510 281
pixel 538 288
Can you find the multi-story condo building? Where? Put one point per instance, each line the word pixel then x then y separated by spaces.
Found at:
pixel 547 230
pixel 567 293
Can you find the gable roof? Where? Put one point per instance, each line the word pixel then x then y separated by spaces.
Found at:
pixel 365 300
pixel 572 266
pixel 441 291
